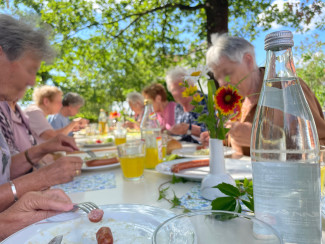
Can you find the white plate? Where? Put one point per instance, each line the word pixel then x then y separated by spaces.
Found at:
pixel 237 168
pixel 129 224
pixel 96 145
pixel 98 154
pixel 189 152
pixel 108 166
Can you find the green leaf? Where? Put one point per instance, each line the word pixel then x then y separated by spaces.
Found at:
pixel 162 193
pixel 228 189
pixel 175 201
pixel 224 203
pixel 248 204
pixel 176 179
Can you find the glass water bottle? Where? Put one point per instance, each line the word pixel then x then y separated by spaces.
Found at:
pixel 284 149
pixel 151 133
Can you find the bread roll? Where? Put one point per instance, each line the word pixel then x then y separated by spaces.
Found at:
pixel 172 145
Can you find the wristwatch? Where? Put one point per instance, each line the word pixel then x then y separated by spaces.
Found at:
pixel 189 130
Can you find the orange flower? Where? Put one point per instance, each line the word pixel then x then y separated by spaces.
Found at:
pixel 226 99
pixel 114 115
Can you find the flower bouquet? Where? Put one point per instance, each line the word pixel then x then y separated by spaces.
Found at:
pixel 223 104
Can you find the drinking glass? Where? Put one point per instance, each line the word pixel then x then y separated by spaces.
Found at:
pixel 211 226
pixel 131 157
pixel 322 170
pixel 120 136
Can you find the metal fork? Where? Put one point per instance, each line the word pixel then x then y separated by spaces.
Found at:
pixel 91 154
pixel 85 206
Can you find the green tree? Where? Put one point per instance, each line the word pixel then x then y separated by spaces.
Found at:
pixel 107 48
pixel 311 66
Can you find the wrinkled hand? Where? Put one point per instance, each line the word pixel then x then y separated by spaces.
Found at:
pixel 33 207
pixel 59 143
pixel 179 129
pixel 204 138
pixel 61 171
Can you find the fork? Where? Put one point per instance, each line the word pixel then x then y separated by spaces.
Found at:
pixel 91 154
pixel 85 206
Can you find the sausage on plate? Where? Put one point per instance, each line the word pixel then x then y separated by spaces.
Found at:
pixel 100 162
pixel 104 236
pixel 96 215
pixel 190 164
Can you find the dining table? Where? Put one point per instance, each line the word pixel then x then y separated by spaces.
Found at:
pixel 106 186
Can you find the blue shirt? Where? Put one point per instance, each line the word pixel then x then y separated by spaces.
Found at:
pixel 58 121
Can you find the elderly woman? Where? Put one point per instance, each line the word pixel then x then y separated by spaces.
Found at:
pixel 165 110
pixel 15 127
pixel 22 49
pixel 234 57
pixel 185 119
pixel 71 104
pixel 136 103
pixel 48 100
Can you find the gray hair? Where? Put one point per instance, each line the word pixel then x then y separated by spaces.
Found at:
pixel 72 99
pixel 232 47
pixel 17 37
pixel 135 97
pixel 175 75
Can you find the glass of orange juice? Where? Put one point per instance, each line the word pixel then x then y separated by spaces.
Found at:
pixel 132 155
pixel 120 135
pixel 322 170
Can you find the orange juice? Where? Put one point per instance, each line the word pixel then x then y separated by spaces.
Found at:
pixel 322 175
pixel 102 127
pixel 163 150
pixel 120 140
pixel 151 158
pixel 132 166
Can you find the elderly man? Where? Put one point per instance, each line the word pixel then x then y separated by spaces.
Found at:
pixel 185 119
pixel 71 104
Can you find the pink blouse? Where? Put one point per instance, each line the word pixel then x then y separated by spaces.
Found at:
pixel 167 117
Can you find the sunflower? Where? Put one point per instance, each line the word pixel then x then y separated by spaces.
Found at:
pixel 226 99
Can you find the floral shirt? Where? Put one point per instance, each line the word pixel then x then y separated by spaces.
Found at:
pixel 190 117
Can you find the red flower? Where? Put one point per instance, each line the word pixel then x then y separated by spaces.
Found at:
pixel 226 99
pixel 114 115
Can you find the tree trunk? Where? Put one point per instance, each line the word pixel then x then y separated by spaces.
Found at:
pixel 217 17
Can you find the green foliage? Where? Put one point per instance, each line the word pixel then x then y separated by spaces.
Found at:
pixel 311 66
pixel 107 49
pixel 234 196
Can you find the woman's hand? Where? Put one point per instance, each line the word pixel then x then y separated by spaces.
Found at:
pixel 58 143
pixel 33 207
pixel 179 129
pixel 61 171
pixel 204 138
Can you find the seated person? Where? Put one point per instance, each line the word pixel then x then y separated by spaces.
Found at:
pixel 15 127
pixel 239 62
pixel 71 104
pixel 165 110
pixel 136 103
pixel 48 100
pixel 185 119
pixel 22 49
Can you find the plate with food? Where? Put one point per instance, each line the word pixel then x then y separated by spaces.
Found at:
pixel 101 161
pixel 127 223
pixel 199 152
pixel 197 169
pixel 94 143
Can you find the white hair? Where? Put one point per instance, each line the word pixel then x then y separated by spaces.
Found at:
pixel 135 97
pixel 232 47
pixel 175 75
